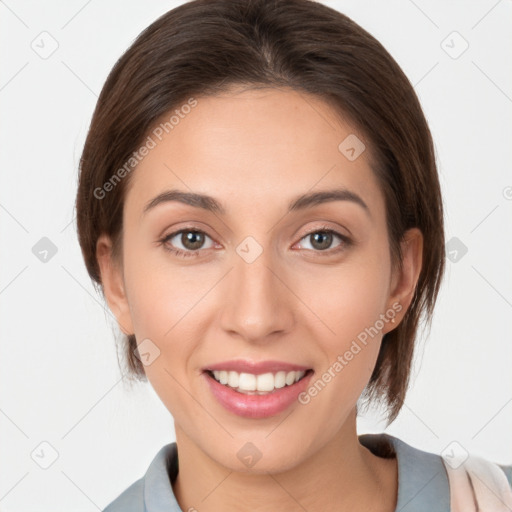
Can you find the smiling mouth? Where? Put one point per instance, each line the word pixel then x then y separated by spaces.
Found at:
pixel 262 384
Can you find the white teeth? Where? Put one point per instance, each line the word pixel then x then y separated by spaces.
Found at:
pixel 233 379
pixel 280 380
pixel 263 383
pixel 290 378
pixel 247 382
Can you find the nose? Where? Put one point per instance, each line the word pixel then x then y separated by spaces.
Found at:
pixel 258 301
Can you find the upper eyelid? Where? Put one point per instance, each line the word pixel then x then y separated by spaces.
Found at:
pixel 324 229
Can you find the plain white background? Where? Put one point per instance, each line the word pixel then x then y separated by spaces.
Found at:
pixel 59 380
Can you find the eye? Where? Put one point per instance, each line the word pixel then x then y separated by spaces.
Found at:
pixel 322 239
pixel 191 240
pixel 188 242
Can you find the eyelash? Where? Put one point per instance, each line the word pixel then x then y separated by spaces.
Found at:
pixel 193 254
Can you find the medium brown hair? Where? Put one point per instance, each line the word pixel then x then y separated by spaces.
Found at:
pixel 203 47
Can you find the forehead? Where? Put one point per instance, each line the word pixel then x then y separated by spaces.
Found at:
pixel 254 147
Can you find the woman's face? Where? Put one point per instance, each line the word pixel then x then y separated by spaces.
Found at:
pixel 258 281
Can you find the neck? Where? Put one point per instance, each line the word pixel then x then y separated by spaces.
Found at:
pixel 343 474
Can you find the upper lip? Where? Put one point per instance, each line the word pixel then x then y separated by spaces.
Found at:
pixel 256 368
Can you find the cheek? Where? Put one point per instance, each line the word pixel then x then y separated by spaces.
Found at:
pixel 171 306
pixel 168 312
pixel 347 339
pixel 159 294
pixel 348 329
pixel 347 299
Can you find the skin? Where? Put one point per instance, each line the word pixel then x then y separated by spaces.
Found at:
pixel 255 150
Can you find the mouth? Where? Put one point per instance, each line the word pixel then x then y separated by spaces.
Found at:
pixel 257 384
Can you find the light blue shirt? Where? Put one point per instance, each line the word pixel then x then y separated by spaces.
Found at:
pixel 422 480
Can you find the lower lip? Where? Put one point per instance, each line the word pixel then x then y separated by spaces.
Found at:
pixel 257 406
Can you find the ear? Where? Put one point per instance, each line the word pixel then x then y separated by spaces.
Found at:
pixel 404 281
pixel 113 284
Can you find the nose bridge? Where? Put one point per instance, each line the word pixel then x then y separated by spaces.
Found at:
pixel 258 303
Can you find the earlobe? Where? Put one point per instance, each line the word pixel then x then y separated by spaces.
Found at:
pixel 405 281
pixel 113 284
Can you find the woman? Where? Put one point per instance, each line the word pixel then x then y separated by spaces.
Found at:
pixel 260 206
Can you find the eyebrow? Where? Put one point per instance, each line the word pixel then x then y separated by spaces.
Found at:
pixel 301 202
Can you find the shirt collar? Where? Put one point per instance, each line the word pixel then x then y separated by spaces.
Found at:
pixel 422 480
